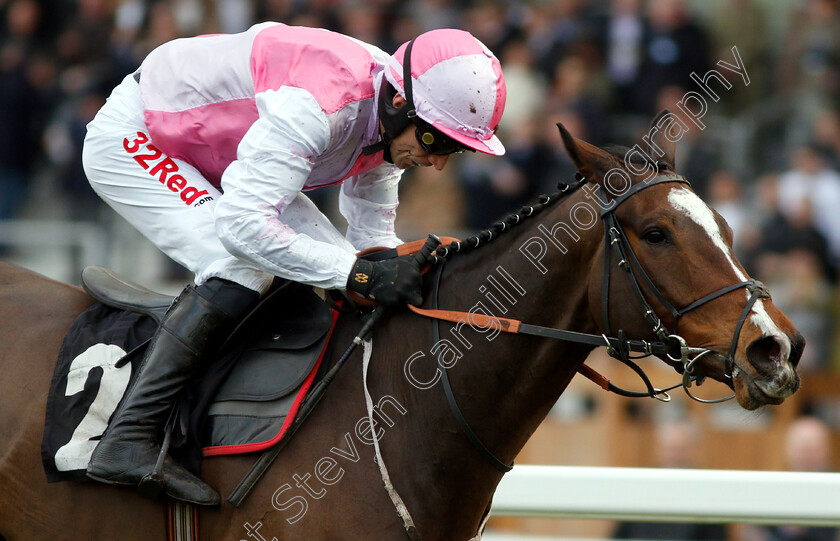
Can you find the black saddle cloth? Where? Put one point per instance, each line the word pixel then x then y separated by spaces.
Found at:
pixel 239 402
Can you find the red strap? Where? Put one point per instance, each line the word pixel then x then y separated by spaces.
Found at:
pixel 588 372
pixel 479 320
pixel 505 325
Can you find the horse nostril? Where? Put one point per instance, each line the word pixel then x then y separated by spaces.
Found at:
pixel 797 346
pixel 765 354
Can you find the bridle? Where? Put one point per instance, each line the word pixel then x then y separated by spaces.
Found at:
pixel 670 347
pixel 682 357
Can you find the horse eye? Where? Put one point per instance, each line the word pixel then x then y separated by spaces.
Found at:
pixel 655 236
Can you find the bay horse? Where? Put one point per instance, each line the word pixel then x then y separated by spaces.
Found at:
pixel 554 265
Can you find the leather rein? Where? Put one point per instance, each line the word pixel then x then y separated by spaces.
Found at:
pixel 670 347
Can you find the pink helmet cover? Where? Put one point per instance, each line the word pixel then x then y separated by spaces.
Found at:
pixel 458 86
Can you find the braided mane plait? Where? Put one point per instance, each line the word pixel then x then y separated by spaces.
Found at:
pixel 487 235
pixel 545 200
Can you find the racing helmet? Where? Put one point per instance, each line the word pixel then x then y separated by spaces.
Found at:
pixel 454 90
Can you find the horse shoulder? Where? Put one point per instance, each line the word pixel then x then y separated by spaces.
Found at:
pixel 38 312
pixel 34 298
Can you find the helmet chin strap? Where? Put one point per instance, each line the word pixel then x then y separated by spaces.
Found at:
pixel 394 120
pixel 384 143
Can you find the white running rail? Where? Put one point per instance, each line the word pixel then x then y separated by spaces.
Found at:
pixel 722 496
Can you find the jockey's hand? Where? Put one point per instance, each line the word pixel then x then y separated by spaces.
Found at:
pixel 392 282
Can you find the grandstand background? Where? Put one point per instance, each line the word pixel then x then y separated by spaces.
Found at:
pixel 767 158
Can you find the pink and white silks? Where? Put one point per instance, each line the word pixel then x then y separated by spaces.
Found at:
pixel 262 116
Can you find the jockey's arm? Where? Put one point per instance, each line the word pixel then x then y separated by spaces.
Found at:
pixel 369 204
pixel 274 160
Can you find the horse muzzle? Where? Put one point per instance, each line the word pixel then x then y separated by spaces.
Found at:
pixel 768 374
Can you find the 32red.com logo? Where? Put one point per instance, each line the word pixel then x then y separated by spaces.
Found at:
pixel 165 170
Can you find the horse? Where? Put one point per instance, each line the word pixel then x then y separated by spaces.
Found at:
pixel 444 406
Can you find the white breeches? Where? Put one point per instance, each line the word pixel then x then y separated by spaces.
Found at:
pixel 168 200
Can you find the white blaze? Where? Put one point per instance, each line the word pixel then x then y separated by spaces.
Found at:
pixel 689 203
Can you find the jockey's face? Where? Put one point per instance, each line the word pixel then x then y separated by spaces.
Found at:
pixel 406 150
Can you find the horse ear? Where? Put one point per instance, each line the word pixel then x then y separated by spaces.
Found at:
pixel 660 147
pixel 590 160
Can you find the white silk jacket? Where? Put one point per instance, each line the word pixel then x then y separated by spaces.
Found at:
pixel 269 113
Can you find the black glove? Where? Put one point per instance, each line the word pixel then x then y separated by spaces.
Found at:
pixel 392 282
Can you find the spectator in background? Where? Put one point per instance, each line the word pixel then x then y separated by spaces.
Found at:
pixel 826 134
pixel 363 21
pixel 808 445
pixel 535 162
pixel 748 32
pixel 807 449
pixel 559 29
pixel 488 22
pixel 792 257
pixel 82 48
pixel 125 51
pixel 494 188
pixel 431 14
pixel 676 445
pixel 577 87
pixel 770 231
pixel 778 234
pixel 63 142
pixel 23 105
pixel 276 10
pixel 622 35
pixel 809 182
pixel 809 65
pixel 234 15
pixel 160 27
pixel 558 166
pixel 676 47
pixel 523 81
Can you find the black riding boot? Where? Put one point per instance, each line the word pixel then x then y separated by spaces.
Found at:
pixel 194 326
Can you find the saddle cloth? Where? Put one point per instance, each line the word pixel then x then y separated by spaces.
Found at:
pixel 241 402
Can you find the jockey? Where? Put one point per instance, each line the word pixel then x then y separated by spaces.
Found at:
pixel 206 149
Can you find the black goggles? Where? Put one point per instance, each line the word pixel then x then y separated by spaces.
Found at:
pixel 434 141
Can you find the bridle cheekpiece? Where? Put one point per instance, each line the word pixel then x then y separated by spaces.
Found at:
pixel 681 356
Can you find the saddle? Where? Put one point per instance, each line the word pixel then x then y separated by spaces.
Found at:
pixel 242 402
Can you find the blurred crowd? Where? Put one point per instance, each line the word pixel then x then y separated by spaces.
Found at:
pixel 807 446
pixel 767 157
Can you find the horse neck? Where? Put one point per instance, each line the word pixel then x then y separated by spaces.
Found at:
pixel 504 384
pixel 510 279
pixel 506 279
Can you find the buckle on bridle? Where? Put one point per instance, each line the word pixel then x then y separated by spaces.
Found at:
pixel 686 352
pixel 755 286
pixel 688 357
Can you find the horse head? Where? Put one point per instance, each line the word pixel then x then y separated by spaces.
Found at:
pixel 682 281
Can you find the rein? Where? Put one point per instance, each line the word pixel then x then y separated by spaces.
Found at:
pixel 671 347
